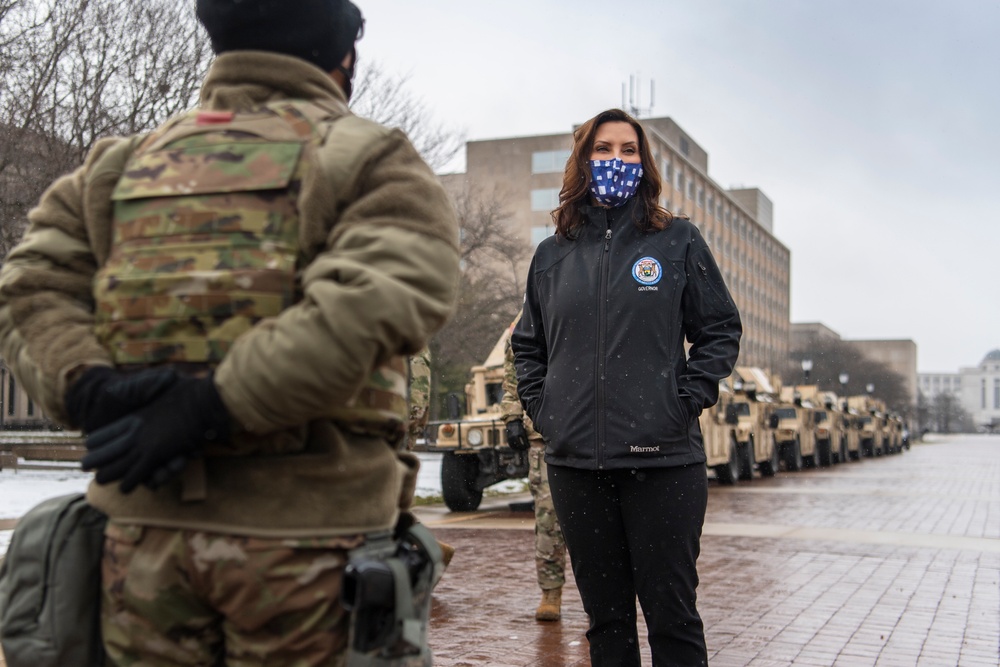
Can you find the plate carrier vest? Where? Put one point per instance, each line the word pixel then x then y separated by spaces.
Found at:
pixel 205 245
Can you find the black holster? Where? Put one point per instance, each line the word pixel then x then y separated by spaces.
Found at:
pixel 387 588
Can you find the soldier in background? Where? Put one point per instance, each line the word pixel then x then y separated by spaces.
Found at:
pixel 550 547
pixel 225 307
pixel 420 395
pixel 420 412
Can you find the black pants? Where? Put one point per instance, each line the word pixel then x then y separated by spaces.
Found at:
pixel 636 532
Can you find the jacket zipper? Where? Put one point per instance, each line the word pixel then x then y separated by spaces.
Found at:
pixel 602 317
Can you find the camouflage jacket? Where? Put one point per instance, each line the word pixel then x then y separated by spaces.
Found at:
pixel 375 227
pixel 510 404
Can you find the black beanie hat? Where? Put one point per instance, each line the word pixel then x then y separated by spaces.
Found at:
pixel 320 31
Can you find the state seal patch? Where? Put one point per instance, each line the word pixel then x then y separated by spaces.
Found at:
pixel 647 271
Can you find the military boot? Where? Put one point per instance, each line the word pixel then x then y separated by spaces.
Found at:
pixel 447 551
pixel 549 608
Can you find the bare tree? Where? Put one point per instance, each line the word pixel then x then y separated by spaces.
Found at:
pixel 948 416
pixel 387 99
pixel 78 70
pixel 490 292
pixel 832 357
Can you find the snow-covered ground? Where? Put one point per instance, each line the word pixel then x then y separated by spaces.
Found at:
pixel 22 489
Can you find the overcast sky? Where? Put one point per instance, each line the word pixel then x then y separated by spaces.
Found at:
pixel 873 126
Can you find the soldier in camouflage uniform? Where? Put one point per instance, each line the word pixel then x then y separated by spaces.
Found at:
pixel 420 395
pixel 550 548
pixel 225 307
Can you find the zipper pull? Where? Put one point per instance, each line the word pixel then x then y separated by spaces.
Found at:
pixel 607 240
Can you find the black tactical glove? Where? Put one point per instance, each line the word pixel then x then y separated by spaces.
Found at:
pixel 152 444
pixel 103 395
pixel 517 437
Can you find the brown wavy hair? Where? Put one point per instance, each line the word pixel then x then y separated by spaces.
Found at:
pixel 575 192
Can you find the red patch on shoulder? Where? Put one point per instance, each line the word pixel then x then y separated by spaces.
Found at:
pixel 214 117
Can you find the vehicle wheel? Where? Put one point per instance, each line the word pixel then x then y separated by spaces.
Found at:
pixel 746 459
pixel 868 448
pixel 793 456
pixel 769 468
pixel 458 482
pixel 842 458
pixel 825 453
pixel 729 472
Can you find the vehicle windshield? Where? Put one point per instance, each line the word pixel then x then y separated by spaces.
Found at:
pixel 786 413
pixel 742 409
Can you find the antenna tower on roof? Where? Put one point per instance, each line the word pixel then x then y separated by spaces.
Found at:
pixel 633 105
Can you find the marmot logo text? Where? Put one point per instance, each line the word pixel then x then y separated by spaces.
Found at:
pixel 642 450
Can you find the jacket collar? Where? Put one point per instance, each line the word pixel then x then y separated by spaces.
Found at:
pixel 242 79
pixel 600 218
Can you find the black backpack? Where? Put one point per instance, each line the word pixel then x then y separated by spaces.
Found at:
pixel 50 586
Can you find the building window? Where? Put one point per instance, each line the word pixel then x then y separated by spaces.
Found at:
pixel 11 395
pixel 540 233
pixel 982 394
pixel 680 182
pixel 545 199
pixel 31 408
pixel 549 162
pixel 668 172
pixel 690 189
pixel 996 393
pixel 701 197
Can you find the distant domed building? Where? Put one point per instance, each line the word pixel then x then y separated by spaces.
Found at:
pixel 981 390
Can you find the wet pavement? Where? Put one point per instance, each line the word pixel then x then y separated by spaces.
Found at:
pixel 889 562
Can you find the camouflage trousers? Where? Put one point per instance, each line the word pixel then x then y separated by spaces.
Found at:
pixel 550 547
pixel 182 597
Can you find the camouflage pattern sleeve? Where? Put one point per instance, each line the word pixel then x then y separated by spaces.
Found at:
pixel 510 404
pixel 419 395
pixel 46 300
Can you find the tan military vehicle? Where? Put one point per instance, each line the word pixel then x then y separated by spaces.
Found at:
pixel 827 425
pixel 851 430
pixel 721 455
pixel 794 435
pixel 474 447
pixel 872 424
pixel 754 395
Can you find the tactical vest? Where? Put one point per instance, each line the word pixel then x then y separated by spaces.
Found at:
pixel 205 245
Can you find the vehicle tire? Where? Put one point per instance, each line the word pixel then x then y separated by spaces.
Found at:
pixel 729 472
pixel 769 468
pixel 868 448
pixel 458 482
pixel 746 459
pixel 842 458
pixel 793 456
pixel 824 452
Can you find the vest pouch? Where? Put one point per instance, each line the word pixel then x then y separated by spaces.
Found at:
pixel 205 246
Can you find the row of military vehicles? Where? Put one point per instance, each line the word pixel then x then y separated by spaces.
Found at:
pixel 758 425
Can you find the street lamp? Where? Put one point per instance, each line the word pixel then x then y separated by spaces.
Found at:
pixel 870 388
pixel 844 377
pixel 807 365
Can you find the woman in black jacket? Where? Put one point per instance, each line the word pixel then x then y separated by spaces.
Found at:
pixel 603 374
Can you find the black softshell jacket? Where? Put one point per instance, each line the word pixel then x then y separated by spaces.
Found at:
pixel 599 349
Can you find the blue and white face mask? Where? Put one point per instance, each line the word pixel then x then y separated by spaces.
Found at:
pixel 613 182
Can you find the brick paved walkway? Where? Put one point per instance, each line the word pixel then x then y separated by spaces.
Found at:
pixel 886 562
pixel 889 562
